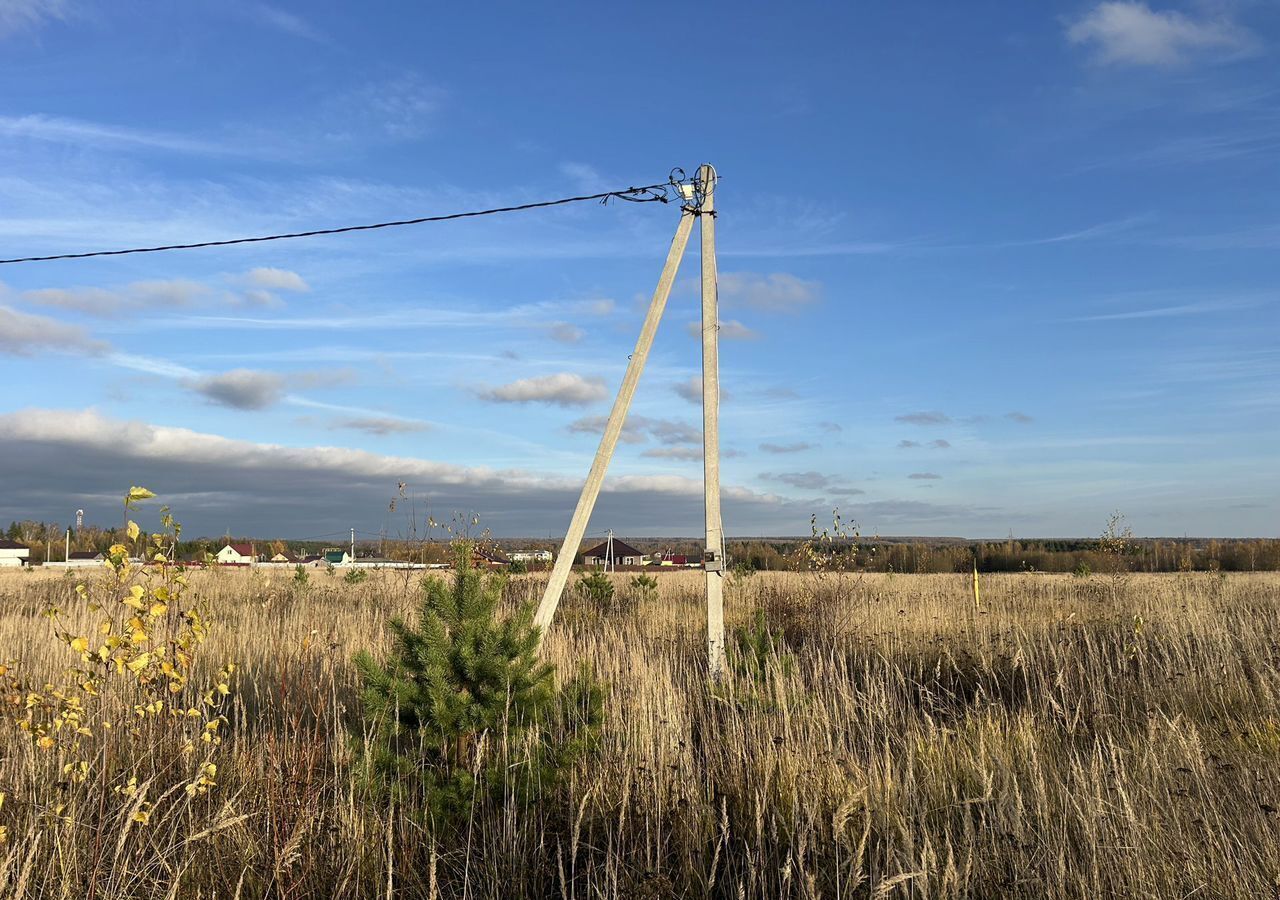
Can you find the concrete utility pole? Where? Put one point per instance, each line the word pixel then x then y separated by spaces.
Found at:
pixel 713 555
pixel 613 428
pixel 700 204
pixel 353 543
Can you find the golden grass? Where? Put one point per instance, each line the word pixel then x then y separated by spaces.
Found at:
pixel 1070 738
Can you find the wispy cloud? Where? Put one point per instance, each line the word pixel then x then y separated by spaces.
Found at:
pixel 797 447
pixel 924 476
pixel 927 417
pixel 19 15
pixel 565 333
pixel 289 23
pixel 253 288
pixel 774 292
pixel 1127 33
pixel 381 426
pixel 688 454
pixel 1207 307
pixel 830 485
pixel 54 129
pixel 141 295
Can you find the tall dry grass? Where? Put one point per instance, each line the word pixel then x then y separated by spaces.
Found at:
pixel 1070 738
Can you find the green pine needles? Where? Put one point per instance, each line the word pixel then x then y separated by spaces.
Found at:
pixel 463 709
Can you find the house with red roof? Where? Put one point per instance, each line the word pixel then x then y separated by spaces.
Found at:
pixel 236 555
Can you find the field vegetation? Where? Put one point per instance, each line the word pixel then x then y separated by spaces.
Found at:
pixel 878 735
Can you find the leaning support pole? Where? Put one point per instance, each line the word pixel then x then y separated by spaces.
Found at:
pixel 613 428
pixel 713 555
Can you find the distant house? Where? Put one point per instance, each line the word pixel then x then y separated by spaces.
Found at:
pixel 236 555
pixel 316 560
pixel 542 556
pixel 670 559
pixel 84 559
pixel 286 557
pixel 623 555
pixel 14 555
pixel 337 557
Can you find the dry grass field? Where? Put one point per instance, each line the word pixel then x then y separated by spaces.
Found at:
pixel 1073 737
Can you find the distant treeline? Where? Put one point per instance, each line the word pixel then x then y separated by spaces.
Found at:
pixel 1066 555
pixel 915 555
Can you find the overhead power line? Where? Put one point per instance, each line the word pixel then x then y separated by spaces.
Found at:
pixel 649 193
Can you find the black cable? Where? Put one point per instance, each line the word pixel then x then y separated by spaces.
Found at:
pixel 647 194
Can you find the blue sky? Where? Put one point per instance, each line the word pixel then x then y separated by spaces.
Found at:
pixel 985 268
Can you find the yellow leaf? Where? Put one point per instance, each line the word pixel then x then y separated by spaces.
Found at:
pixel 137 494
pixel 159 609
pixel 133 531
pixel 46 743
pixel 80 644
pixel 138 663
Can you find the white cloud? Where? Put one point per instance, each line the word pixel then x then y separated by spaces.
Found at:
pixel 23 334
pixel 240 388
pixel 561 389
pixel 566 333
pixel 777 292
pixel 276 279
pixel 1123 32
pixel 139 295
pixel 16 15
